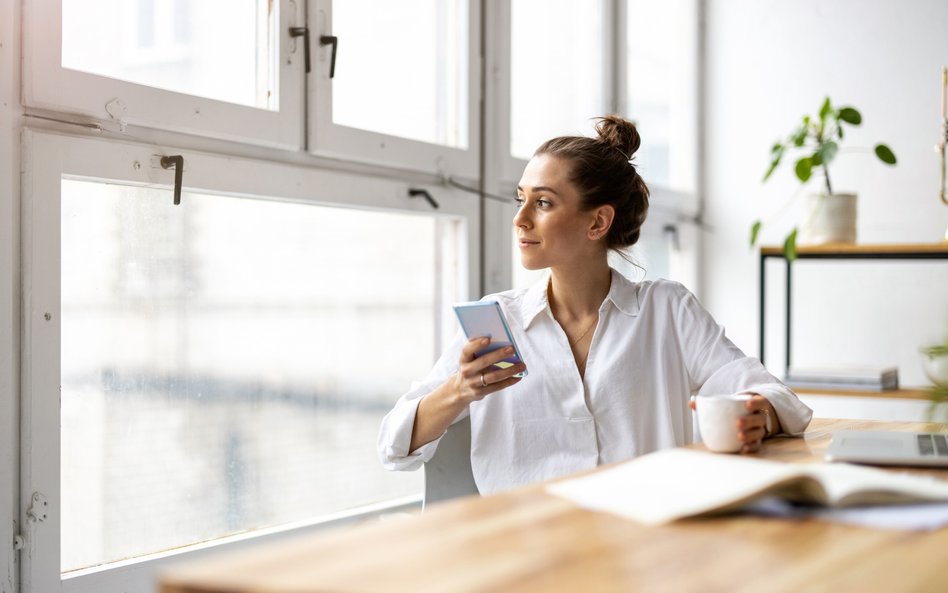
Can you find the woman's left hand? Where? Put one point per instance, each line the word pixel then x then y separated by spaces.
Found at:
pixel 752 427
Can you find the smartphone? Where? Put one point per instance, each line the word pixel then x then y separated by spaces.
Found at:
pixel 485 319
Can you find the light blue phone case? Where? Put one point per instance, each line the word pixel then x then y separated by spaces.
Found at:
pixel 486 319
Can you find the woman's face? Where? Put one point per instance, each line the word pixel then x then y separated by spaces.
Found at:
pixel 551 227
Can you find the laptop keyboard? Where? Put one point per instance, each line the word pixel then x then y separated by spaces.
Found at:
pixel 933 444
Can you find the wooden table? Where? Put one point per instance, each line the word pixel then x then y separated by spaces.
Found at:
pixel 529 541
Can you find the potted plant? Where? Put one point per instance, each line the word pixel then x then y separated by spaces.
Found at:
pixel 831 215
pixel 935 364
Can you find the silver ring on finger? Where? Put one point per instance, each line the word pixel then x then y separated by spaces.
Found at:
pixel 483 382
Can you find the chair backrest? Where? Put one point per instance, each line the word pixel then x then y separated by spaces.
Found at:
pixel 448 474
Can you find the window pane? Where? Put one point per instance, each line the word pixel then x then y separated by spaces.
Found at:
pixel 226 363
pixel 552 42
pixel 218 49
pixel 404 71
pixel 660 93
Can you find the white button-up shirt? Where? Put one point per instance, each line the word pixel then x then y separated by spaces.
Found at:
pixel 654 347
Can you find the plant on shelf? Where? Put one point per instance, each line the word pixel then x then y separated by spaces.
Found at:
pixel 817 139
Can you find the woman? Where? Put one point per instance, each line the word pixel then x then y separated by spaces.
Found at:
pixel 613 363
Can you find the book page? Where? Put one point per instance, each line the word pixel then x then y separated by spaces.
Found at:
pixel 677 483
pixel 853 485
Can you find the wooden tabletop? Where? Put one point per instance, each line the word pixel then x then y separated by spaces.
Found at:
pixel 529 541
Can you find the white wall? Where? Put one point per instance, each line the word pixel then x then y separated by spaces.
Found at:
pixel 9 279
pixel 768 63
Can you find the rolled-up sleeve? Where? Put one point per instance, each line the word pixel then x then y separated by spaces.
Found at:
pixel 394 438
pixel 717 366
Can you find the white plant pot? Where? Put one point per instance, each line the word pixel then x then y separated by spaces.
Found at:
pixel 936 367
pixel 829 219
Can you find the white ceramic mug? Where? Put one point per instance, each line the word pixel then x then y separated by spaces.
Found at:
pixel 717 420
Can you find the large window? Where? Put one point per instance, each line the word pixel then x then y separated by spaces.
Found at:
pixel 225 362
pixel 399 89
pixel 220 350
pixel 216 371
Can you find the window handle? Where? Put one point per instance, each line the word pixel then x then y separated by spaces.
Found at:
pixel 413 192
pixel 334 42
pixel 176 161
pixel 304 33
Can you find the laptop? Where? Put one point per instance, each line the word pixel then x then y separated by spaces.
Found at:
pixel 889 448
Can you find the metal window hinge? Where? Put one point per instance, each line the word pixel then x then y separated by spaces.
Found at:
pixel 38 508
pixel 18 542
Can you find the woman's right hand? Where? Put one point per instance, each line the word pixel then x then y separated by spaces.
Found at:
pixel 476 379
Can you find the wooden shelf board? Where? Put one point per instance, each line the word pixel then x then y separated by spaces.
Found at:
pixel 919 393
pixel 860 248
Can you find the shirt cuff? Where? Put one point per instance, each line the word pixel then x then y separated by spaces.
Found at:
pixel 793 414
pixel 395 439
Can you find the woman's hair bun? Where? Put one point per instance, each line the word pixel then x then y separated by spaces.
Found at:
pixel 601 171
pixel 619 133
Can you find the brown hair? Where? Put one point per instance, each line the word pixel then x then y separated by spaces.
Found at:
pixel 602 171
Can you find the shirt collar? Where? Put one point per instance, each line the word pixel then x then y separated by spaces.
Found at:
pixel 623 294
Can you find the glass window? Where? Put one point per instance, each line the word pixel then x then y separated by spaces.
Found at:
pixel 404 71
pixel 218 49
pixel 661 38
pixel 226 363
pixel 556 71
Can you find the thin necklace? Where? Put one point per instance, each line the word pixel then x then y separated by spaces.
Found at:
pixel 576 341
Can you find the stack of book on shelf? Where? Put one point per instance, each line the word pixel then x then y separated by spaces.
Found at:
pixel 865 378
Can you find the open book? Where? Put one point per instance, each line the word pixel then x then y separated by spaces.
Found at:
pixel 678 483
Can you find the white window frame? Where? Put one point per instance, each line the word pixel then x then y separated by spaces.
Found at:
pixel 47 85
pixel 342 142
pixel 48 157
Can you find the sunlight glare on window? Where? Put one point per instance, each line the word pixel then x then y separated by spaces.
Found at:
pixel 404 71
pixel 218 49
pixel 556 71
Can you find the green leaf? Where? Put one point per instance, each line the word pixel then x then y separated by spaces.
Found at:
pixel 824 110
pixel 790 246
pixel 828 152
pixel 770 169
pixel 777 152
pixel 839 132
pixel 816 159
pixel 755 230
pixel 804 169
pixel 885 154
pixel 799 136
pixel 850 116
